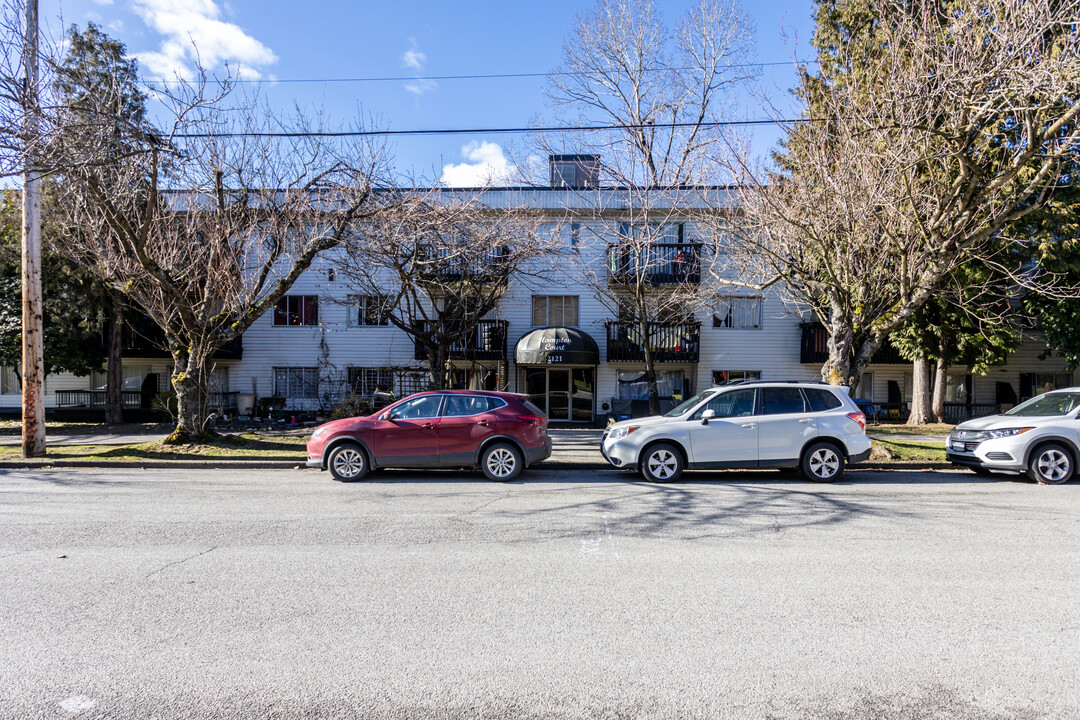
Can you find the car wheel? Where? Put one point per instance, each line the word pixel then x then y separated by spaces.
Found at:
pixel 1051 465
pixel 348 462
pixel 822 462
pixel 662 463
pixel 501 462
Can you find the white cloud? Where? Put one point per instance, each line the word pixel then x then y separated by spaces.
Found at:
pixel 413 57
pixel 194 32
pixel 419 87
pixel 484 163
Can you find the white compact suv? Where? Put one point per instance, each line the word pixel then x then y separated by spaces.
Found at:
pixel 1040 437
pixel 811 426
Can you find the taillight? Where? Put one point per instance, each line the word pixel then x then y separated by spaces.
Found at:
pixel 859 418
pixel 532 420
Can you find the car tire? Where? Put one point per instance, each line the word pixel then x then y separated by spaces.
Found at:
pixel 822 462
pixel 501 462
pixel 1051 464
pixel 348 462
pixel 662 463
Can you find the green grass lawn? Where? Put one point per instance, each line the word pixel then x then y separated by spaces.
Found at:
pixel 902 451
pixel 933 429
pixel 246 446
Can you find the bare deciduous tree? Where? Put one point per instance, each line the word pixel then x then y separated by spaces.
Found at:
pixel 660 89
pixel 958 123
pixel 206 225
pixel 441 261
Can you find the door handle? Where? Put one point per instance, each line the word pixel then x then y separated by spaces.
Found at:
pixel 749 425
pixel 807 420
pixel 485 423
pixel 428 426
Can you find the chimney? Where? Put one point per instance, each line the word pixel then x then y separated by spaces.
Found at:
pixel 575 171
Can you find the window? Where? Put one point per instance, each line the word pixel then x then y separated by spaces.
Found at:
pixel 461 405
pixel 956 389
pixel 368 310
pixel 296 382
pixel 865 388
pixel 297 310
pixel 9 381
pixel 632 384
pixel 368 381
pixel 821 400
pixel 727 377
pixel 575 236
pixel 780 401
pixel 737 403
pixel 741 313
pixel 1045 382
pixel 555 310
pixel 421 407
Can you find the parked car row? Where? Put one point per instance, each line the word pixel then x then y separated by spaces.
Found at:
pixel 812 427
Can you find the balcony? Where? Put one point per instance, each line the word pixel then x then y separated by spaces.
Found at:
pixel 447 265
pixel 814 348
pixel 142 338
pixel 670 343
pixel 486 342
pixel 656 264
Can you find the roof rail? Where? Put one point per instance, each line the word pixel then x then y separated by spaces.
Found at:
pixel 772 382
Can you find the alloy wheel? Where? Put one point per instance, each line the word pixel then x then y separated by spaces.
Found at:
pixel 349 463
pixel 662 464
pixel 1054 466
pixel 824 463
pixel 501 462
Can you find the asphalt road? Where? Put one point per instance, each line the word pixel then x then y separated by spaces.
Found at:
pixel 567 595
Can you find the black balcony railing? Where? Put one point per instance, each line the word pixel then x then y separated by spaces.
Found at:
pixel 142 338
pixel 670 343
pixel 452 265
pixel 814 348
pixel 486 342
pixel 96 398
pixel 656 264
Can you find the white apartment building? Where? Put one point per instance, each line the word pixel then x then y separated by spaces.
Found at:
pixel 553 338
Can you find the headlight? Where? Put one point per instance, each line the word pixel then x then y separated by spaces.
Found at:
pixel 622 432
pixel 318 431
pixel 1007 432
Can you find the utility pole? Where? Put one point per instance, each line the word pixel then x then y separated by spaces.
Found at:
pixel 33 361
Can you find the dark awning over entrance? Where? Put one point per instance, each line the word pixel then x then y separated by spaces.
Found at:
pixel 556 346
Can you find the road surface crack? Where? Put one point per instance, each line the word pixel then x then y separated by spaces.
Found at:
pixel 178 562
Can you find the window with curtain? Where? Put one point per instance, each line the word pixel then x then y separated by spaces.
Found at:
pixel 561 310
pixel 741 313
pixel 296 382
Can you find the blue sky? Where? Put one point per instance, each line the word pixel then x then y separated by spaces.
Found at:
pixel 279 41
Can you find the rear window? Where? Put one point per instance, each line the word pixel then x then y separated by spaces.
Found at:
pixel 533 409
pixel 460 405
pixel 821 400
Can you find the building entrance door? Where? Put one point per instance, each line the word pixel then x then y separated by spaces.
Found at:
pixel 565 394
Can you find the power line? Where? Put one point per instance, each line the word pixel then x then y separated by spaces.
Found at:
pixel 484 131
pixel 415 78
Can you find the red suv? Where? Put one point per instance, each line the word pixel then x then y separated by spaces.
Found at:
pixel 501 433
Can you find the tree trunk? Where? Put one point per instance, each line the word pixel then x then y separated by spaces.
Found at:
pixel 650 368
pixel 437 366
pixel 847 357
pixel 189 380
pixel 920 396
pixel 114 371
pixel 939 391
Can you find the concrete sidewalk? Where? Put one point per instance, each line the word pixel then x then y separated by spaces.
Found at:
pixel 88 439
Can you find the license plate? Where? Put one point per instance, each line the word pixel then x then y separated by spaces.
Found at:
pixel 958 447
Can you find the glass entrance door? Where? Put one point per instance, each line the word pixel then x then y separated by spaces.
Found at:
pixel 564 394
pixel 559 395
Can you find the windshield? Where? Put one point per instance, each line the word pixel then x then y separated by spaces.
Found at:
pixel 1052 403
pixel 684 407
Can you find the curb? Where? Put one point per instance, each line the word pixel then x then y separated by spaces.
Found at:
pixel 45 463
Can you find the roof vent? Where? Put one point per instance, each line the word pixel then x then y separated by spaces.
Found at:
pixel 575 171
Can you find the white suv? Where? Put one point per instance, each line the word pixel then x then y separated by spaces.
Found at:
pixel 811 426
pixel 1040 437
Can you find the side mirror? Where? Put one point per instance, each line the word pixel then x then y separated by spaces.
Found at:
pixel 709 413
